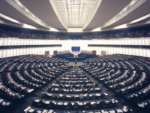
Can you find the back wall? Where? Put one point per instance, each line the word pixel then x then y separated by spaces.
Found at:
pixel 67 44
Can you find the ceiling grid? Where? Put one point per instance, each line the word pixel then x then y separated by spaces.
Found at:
pixel 75 13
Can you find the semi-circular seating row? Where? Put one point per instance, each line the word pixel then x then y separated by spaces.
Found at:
pixel 134 87
pixel 123 109
pixel 82 104
pixel 18 77
pixel 61 93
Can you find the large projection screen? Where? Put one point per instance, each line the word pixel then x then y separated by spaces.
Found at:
pixel 75 48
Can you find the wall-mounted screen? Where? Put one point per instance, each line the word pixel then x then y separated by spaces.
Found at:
pixel 75 48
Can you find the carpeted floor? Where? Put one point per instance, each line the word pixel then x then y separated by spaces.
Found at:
pixel 73 63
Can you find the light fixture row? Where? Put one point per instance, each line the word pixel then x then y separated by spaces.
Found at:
pixel 131 4
pixel 75 13
pixel 30 13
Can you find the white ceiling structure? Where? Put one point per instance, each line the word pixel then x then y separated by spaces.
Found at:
pixel 129 8
pixel 74 15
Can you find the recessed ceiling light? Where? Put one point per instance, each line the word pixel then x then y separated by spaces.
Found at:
pixel 19 4
pixel 26 10
pixel 8 18
pixel 132 3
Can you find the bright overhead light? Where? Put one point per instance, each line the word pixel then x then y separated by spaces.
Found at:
pixel 140 19
pixel 75 13
pixel 97 29
pixel 128 9
pixel 120 13
pixel 16 21
pixel 121 26
pixel 133 2
pixel 28 26
pixel 124 9
pixel 33 15
pixel 19 4
pixel 53 29
pixel 26 12
pixel 8 18
pixel 38 19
